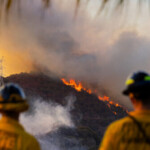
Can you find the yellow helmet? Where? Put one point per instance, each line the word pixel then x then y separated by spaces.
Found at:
pixel 12 98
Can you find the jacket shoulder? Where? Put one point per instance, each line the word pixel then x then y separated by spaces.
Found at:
pixel 31 141
pixel 116 125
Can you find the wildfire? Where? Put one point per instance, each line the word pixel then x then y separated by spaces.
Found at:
pixel 79 87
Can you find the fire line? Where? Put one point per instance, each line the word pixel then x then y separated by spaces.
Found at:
pixel 79 87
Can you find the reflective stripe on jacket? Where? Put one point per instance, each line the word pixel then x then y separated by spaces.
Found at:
pixel 14 137
pixel 124 134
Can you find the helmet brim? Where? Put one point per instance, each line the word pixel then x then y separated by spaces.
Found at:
pixel 140 87
pixel 14 107
pixel 125 92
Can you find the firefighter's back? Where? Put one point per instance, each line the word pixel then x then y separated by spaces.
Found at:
pixel 14 137
pixel 132 134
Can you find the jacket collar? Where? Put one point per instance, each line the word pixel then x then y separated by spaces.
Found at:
pixel 140 112
pixel 12 122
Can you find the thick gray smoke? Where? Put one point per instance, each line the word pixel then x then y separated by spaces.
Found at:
pixel 96 51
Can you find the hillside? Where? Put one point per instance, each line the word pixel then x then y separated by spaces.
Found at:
pixel 88 110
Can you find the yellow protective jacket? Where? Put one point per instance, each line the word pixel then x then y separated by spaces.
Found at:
pixel 125 134
pixel 14 137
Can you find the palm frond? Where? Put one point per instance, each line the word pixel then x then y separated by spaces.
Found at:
pixel 47 3
pixel 77 7
pixel 119 4
pixel 8 5
pixel 102 6
pixel 77 4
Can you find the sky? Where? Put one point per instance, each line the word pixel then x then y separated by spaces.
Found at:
pixel 98 49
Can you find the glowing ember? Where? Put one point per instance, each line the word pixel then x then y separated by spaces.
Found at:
pixel 79 87
pixel 105 98
pixel 114 112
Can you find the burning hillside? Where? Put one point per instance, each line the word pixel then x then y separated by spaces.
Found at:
pixel 88 110
pixel 78 86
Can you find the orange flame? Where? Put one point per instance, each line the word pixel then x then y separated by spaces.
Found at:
pixel 79 87
pixel 72 83
pixel 114 112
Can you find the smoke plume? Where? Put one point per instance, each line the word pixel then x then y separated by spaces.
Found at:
pixel 97 51
pixel 47 116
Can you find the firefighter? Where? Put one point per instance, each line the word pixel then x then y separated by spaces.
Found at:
pixel 12 134
pixel 133 131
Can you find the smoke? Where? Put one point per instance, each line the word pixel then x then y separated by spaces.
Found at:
pixel 97 51
pixel 47 116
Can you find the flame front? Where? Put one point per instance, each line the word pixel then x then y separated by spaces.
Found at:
pixel 79 87
pixel 72 83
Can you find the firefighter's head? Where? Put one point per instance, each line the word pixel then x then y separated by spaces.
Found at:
pixel 138 87
pixel 12 99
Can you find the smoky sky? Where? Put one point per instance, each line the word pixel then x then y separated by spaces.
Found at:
pixel 89 50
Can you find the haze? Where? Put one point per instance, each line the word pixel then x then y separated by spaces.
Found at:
pixel 101 50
